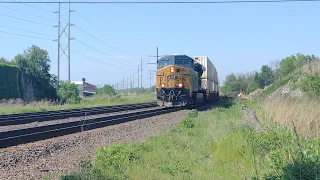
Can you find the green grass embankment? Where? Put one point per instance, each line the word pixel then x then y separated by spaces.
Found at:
pixel 209 145
pixel 14 106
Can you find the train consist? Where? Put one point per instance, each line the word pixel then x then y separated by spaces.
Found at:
pixel 182 80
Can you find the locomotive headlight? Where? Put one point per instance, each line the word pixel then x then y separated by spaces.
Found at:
pixel 172 69
pixel 162 85
pixel 180 85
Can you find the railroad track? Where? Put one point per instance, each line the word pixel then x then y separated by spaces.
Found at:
pixel 26 135
pixel 32 134
pixel 25 118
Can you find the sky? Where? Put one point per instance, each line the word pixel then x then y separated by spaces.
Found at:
pixel 113 38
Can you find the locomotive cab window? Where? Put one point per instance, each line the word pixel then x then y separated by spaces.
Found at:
pixel 184 63
pixel 165 62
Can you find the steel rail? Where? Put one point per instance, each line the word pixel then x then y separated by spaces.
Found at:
pixel 22 136
pixel 6 120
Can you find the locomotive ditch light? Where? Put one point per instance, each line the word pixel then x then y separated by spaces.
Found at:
pixel 162 85
pixel 180 85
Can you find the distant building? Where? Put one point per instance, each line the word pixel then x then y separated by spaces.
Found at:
pixel 85 89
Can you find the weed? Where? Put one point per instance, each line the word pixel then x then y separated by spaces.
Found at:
pixel 193 113
pixel 187 123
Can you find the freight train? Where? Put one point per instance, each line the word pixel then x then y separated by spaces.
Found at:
pixel 182 80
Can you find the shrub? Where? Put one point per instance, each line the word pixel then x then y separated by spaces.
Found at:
pixel 113 161
pixel 87 171
pixel 310 84
pixel 187 123
pixel 193 113
pixel 68 92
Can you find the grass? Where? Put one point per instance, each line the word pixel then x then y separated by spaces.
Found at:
pixel 209 145
pixel 303 113
pixel 18 106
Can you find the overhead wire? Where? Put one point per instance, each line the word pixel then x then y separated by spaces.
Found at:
pixel 27 13
pixel 99 41
pixel 25 20
pixel 101 52
pixel 26 36
pixel 128 52
pixel 159 2
pixel 27 4
pixel 96 39
pixel 28 31
pixel 100 61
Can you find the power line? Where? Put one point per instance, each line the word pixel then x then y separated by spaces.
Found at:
pixel 22 3
pixel 100 61
pixel 25 20
pixel 159 2
pixel 98 51
pixel 83 17
pixel 26 36
pixel 27 31
pixel 27 13
pixel 99 41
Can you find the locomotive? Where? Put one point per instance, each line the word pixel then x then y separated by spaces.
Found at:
pixel 182 80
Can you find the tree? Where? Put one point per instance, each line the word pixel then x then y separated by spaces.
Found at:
pixel 287 66
pixel 35 62
pixel 68 92
pixel 4 61
pixel 266 76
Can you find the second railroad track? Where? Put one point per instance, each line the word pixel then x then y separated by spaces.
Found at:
pixel 25 118
pixel 26 135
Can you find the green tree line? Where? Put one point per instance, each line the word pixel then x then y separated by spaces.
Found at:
pixel 267 75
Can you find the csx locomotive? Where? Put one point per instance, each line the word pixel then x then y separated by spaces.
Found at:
pixel 182 80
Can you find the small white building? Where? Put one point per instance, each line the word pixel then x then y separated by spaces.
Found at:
pixel 85 89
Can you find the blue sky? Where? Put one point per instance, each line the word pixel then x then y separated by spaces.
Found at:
pixel 236 37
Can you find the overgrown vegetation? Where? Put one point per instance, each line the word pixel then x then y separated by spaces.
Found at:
pixel 32 67
pixel 9 80
pixel 68 92
pixel 277 75
pixel 210 145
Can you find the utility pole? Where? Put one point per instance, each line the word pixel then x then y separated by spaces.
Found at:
pixel 138 76
pixel 141 72
pixel 69 45
pixel 157 55
pixel 127 83
pixel 150 79
pixel 133 80
pixel 59 43
pixel 123 84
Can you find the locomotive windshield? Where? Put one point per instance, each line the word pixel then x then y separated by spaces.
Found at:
pixel 184 63
pixel 165 62
pixel 176 60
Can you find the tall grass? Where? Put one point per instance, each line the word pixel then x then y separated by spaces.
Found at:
pixel 304 113
pixel 18 106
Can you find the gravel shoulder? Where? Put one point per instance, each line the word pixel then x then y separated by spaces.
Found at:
pixel 53 157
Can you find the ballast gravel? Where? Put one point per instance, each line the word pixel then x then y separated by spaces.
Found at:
pixel 53 157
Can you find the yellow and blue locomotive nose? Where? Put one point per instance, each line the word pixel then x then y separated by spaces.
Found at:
pixel 173 86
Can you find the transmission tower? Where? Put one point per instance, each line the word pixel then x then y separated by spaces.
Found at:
pixel 60 33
